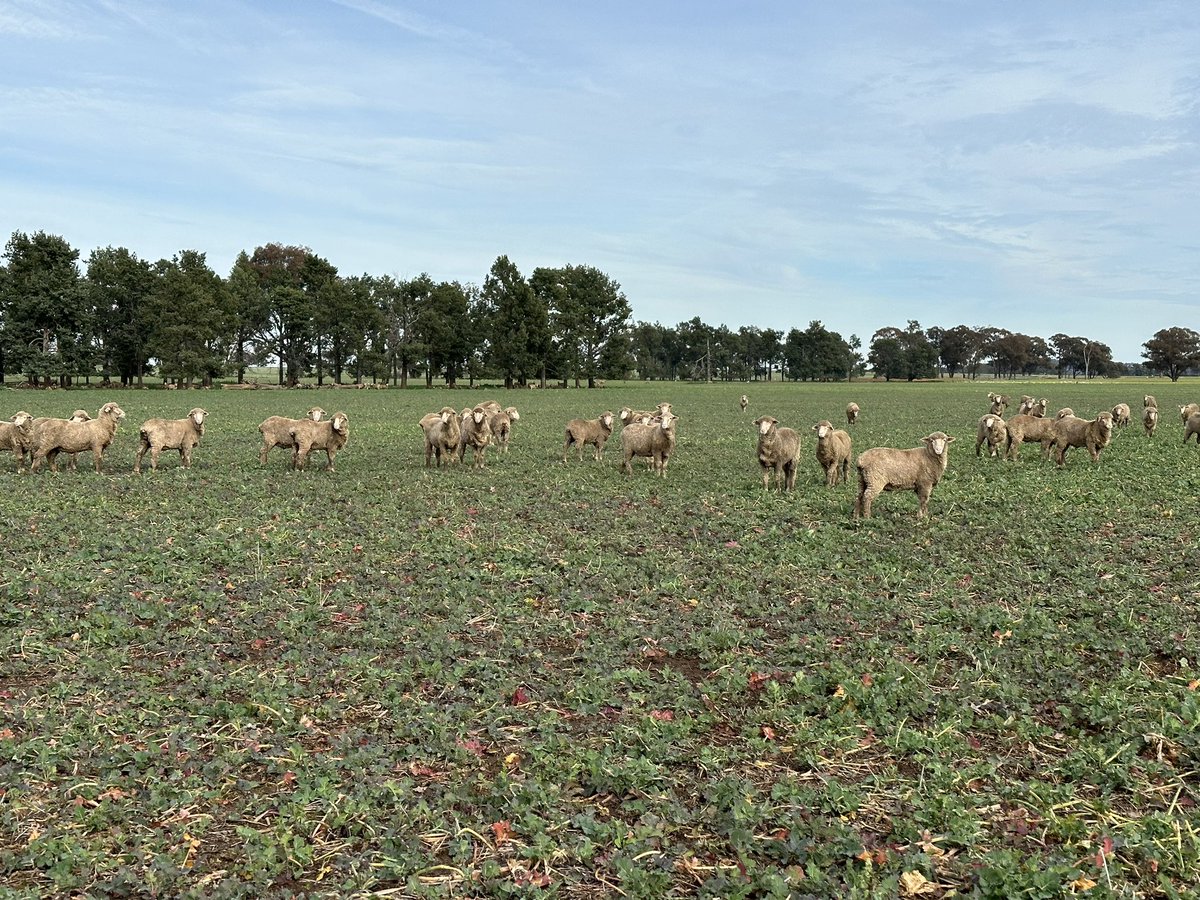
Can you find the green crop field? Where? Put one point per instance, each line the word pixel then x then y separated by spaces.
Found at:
pixel 554 680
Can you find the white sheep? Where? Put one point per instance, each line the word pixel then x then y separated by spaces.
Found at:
pixel 15 435
pixel 474 432
pixel 277 432
pixel 886 469
pixel 1150 420
pixel 1188 409
pixel 656 442
pixel 778 451
pixel 744 402
pixel 1121 415
pixel 833 452
pixel 441 435
pixel 500 422
pixel 1039 408
pixel 1028 428
pixel 1072 431
pixel 999 403
pixel 79 415
pixel 1064 413
pixel 1192 426
pixel 993 431
pixel 1149 401
pixel 1025 407
pixel 852 411
pixel 308 435
pixel 581 432
pixel 60 435
pixel 170 434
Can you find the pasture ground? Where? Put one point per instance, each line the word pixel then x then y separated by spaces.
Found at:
pixel 548 680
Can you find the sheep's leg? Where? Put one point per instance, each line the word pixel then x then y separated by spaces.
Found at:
pixel 789 471
pixel 262 454
pixel 185 457
pixel 97 456
pixel 137 458
pixel 330 453
pixel 766 478
pixel 53 457
pixel 866 496
pixel 923 492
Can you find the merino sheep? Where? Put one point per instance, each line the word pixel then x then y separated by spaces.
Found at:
pixel 885 469
pixel 15 435
pixel 1073 431
pixel 581 432
pixel 1026 405
pixel 655 442
pixel 277 432
pixel 1039 408
pixel 1064 413
pixel 329 436
pixel 60 435
pixel 778 452
pixel 474 432
pixel 999 403
pixel 744 402
pixel 1192 426
pixel 442 430
pixel 500 423
pixel 79 415
pixel 170 434
pixel 833 452
pixel 993 431
pixel 1150 420
pixel 1120 415
pixel 1188 409
pixel 1149 401
pixel 1028 429
pixel 852 411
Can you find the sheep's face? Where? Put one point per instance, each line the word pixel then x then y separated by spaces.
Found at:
pixel 668 421
pixel 607 420
pixel 1064 413
pixel 80 415
pixel 21 419
pixel 988 422
pixel 446 417
pixel 111 409
pixel 823 429
pixel 512 413
pixel 478 414
pixel 1151 414
pixel 340 422
pixel 315 413
pixel 626 414
pixel 765 424
pixel 1106 421
pixel 938 442
pixel 197 416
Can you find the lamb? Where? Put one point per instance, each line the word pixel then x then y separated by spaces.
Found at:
pixel 744 402
pixel 993 431
pixel 277 432
pixel 1073 431
pixel 1120 415
pixel 999 403
pixel 312 435
pixel 476 433
pixel 1188 409
pixel 15 435
pixel 58 435
pixel 1028 428
pixel 851 413
pixel 655 441
pixel 581 432
pixel 885 469
pixel 1149 401
pixel 501 424
pixel 1192 426
pixel 442 430
pixel 1150 420
pixel 170 434
pixel 833 452
pixel 778 452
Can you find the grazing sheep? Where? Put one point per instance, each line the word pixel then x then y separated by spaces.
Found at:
pixel 885 469
pixel 999 403
pixel 1192 426
pixel 655 442
pixel 15 435
pixel 1120 415
pixel 1150 420
pixel 1149 401
pixel 778 452
pixel 170 434
pixel 1028 429
pixel 474 432
pixel 581 432
pixel 993 431
pixel 60 435
pixel 833 452
pixel 1188 409
pixel 501 424
pixel 442 430
pixel 329 436
pixel 1064 413
pixel 277 432
pixel 744 402
pixel 852 411
pixel 1073 431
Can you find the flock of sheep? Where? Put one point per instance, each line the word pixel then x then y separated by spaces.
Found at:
pixel 649 434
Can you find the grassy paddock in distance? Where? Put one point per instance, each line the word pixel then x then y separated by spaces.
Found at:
pixel 556 680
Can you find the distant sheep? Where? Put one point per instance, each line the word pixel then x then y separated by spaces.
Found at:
pixel 629 416
pixel 1025 407
pixel 993 431
pixel 1121 415
pixel 59 435
pixel 1188 409
pixel 15 435
pixel 1073 431
pixel 1028 429
pixel 1192 426
pixel 441 435
pixel 656 442
pixel 581 432
pixel 999 403
pixel 885 469
pixel 276 431
pixel 744 402
pixel 170 434
pixel 778 452
pixel 308 435
pixel 1150 420
pixel 833 452
pixel 852 412
pixel 474 432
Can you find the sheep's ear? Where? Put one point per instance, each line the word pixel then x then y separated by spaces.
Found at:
pixel 950 440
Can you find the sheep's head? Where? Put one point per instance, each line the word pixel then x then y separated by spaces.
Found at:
pixel 1105 419
pixel 113 411
pixel 315 413
pixel 445 417
pixel 667 421
pixel 938 442
pixel 21 419
pixel 1064 413
pixel 626 414
pixel 663 407
pixel 80 415
pixel 197 416
pixel 1151 414
pixel 340 423
pixel 478 414
pixel 823 429
pixel 989 421
pixel 511 412
pixel 1149 401
pixel 607 419
pixel 765 424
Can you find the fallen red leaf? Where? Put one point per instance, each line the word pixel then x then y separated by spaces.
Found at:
pixel 503 831
pixel 662 715
pixel 520 696
pixel 289 777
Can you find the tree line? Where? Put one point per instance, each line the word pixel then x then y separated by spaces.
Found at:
pixel 118 317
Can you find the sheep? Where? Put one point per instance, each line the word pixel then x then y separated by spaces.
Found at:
pixel 885 469
pixel 79 415
pixel 1073 431
pixel 15 435
pixel 1150 420
pixel 1120 415
pixel 491 407
pixel 441 435
pixel 999 403
pixel 1191 427
pixel 833 452
pixel 640 416
pixel 852 411
pixel 778 452
pixel 170 434
pixel 581 432
pixel 993 431
pixel 1026 405
pixel 500 423
pixel 312 435
pixel 474 432
pixel 1028 428
pixel 1188 409
pixel 1039 407
pixel 655 441
pixel 744 402
pixel 277 432
pixel 1149 401
pixel 58 435
pixel 1064 413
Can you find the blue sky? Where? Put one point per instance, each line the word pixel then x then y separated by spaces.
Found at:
pixel 1032 166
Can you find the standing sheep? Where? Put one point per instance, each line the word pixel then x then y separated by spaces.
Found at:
pixel 1026 405
pixel 1150 420
pixel 277 432
pixel 1188 409
pixel 80 415
pixel 170 434
pixel 581 432
pixel 885 469
pixel 999 403
pixel 441 435
pixel 655 442
pixel 852 411
pixel 476 433
pixel 57 435
pixel 15 435
pixel 1120 415
pixel 329 436
pixel 1073 431
pixel 1192 426
pixel 1028 428
pixel 833 452
pixel 1039 408
pixel 993 431
pixel 778 452
pixel 500 422
pixel 744 402
pixel 1149 401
